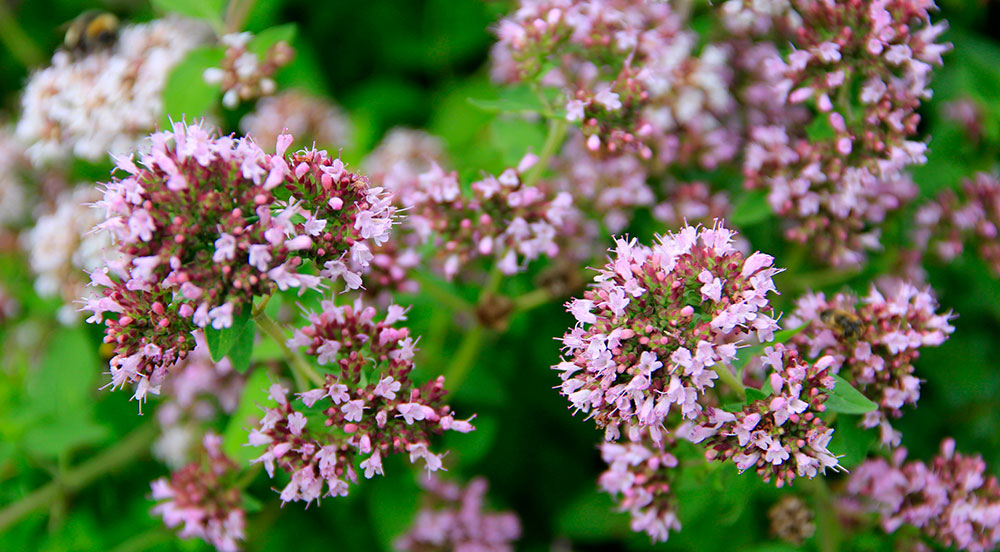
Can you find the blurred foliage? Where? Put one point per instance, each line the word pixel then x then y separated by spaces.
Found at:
pixel 417 63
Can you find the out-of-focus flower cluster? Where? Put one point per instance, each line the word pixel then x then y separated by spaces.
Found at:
pixel 202 496
pixel 969 217
pixel 197 391
pixel 368 407
pixel 873 344
pixel 631 74
pixel 107 99
pixel 639 477
pixel 201 232
pixel 863 68
pixel 505 218
pixel 15 195
pixel 953 499
pixel 310 119
pixel 243 75
pixel 650 334
pixel 453 519
pixel 767 433
pixel 62 247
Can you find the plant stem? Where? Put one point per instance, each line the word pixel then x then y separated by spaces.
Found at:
pixel 301 369
pixel 145 541
pixel 827 531
pixel 441 293
pixel 121 454
pixel 236 14
pixel 467 352
pixel 731 380
pixel 532 299
pixel 553 141
pixel 20 45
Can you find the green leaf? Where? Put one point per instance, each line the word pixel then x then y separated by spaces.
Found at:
pixel 64 433
pixel 65 378
pixel 847 400
pixel 514 100
pixel 850 441
pixel 755 395
pixel 247 414
pixel 220 342
pixel 267 38
pixel 751 208
pixel 819 129
pixel 591 517
pixel 242 350
pixel 186 94
pixel 209 10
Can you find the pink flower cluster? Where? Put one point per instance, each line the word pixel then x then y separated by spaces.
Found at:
pixel 660 322
pixel 953 499
pixel 368 407
pixel 453 519
pixel 243 75
pixel 863 68
pixel 769 434
pixel 631 76
pixel 971 216
pixel 505 218
pixel 203 497
pixel 873 344
pixel 196 392
pixel 639 476
pixel 201 231
pixel 310 119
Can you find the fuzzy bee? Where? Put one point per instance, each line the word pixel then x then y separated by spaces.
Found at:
pixel 845 324
pixel 92 30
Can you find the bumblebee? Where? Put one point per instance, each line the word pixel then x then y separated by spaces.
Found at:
pixel 845 324
pixel 92 30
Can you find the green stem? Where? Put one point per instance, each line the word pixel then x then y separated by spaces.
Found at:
pixel 554 139
pixel 236 14
pixel 731 380
pixel 301 370
pixel 121 454
pixel 827 530
pixel 248 477
pixel 145 541
pixel 20 45
pixel 532 299
pixel 441 293
pixel 467 352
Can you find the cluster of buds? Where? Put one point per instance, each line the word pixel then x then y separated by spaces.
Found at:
pixel 693 203
pixel 505 218
pixel 971 216
pixel 196 392
pixel 952 500
pixel 108 99
pixel 639 477
pixel 61 247
pixel 311 120
pixel 873 344
pixel 368 406
pixel 630 75
pixel 608 187
pixel 782 435
pixel 202 495
pixel 863 68
pixel 452 518
pixel 243 74
pixel 202 231
pixel 658 325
